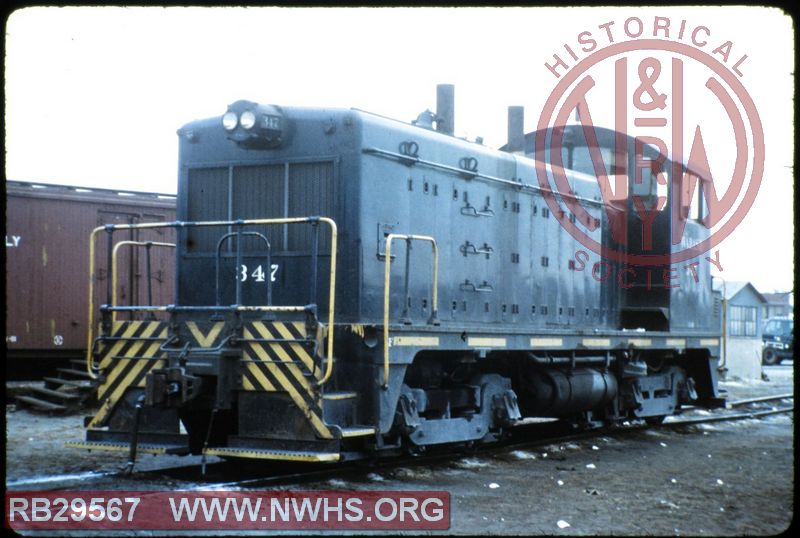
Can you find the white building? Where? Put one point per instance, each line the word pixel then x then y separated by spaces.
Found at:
pixel 743 311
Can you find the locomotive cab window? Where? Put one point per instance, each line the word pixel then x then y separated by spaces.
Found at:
pixel 650 184
pixel 613 164
pixel 580 159
pixel 692 200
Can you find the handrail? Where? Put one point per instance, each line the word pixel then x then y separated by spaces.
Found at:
pixel 187 224
pixel 386 284
pixel 114 265
pixel 238 236
pixel 92 278
pixel 519 185
pixel 234 308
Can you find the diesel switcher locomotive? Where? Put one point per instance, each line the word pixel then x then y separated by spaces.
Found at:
pixel 349 285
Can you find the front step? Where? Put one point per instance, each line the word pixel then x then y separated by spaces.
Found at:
pixel 335 396
pixel 56 382
pixel 83 374
pixel 340 408
pixel 56 394
pixel 61 394
pixel 357 431
pixel 46 399
pixel 41 405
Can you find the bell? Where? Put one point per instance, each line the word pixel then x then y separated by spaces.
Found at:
pixel 425 120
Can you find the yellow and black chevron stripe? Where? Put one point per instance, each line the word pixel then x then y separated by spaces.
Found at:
pixel 125 363
pixel 282 361
pixel 205 335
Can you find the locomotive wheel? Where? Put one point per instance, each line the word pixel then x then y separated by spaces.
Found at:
pixel 655 421
pixel 770 357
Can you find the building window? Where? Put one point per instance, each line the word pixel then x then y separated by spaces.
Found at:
pixel 743 320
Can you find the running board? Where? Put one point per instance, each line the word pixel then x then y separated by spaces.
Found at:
pixel 144 448
pixel 281 455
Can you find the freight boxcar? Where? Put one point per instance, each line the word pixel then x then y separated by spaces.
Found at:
pixel 47 227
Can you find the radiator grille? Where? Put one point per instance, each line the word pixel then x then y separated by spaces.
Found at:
pixel 310 193
pixel 265 191
pixel 207 200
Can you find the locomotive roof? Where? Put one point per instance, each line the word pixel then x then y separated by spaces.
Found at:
pixel 523 164
pixel 606 138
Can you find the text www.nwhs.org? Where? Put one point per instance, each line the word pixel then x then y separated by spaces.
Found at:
pixel 404 509
pixel 234 510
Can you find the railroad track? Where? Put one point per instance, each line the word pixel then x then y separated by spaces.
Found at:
pixel 722 417
pixel 279 473
pixel 357 467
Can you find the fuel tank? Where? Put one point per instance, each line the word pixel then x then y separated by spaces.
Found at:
pixel 553 392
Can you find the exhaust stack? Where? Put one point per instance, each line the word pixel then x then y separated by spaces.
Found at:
pixel 516 129
pixel 445 109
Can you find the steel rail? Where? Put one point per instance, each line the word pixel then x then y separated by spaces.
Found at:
pixel 748 401
pixel 391 460
pixel 762 399
pixel 388 460
pixel 728 417
pixel 357 466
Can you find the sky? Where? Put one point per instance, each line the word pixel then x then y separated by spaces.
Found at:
pixel 94 95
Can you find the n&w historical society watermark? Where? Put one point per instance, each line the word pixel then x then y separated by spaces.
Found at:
pixel 679 103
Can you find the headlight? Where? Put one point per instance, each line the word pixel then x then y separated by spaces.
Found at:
pixel 229 121
pixel 254 126
pixel 248 119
